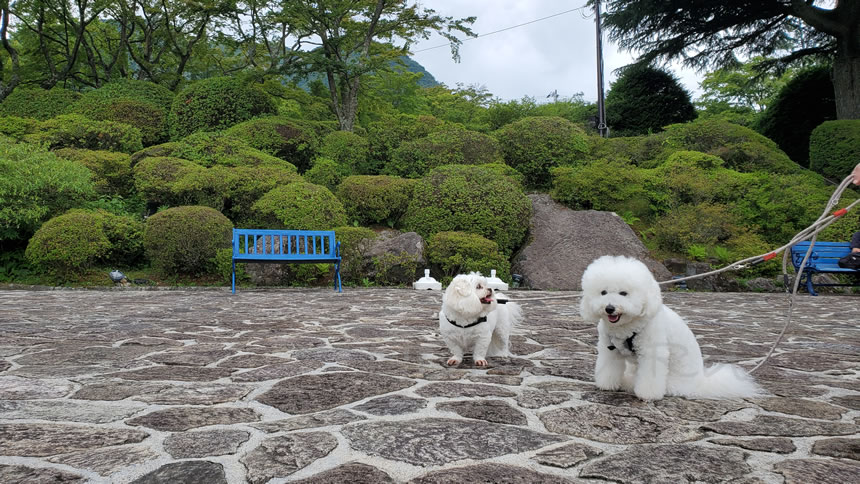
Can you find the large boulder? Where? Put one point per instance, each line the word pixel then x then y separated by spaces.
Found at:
pixel 395 259
pixel 564 241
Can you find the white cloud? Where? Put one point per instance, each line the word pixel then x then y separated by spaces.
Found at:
pixel 557 53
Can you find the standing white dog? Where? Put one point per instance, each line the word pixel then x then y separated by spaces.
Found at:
pixel 643 345
pixel 472 319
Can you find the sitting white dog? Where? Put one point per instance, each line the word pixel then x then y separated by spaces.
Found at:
pixel 643 345
pixel 473 320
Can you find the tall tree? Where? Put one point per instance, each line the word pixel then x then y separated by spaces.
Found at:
pixel 709 33
pixel 9 81
pixel 644 99
pixel 356 37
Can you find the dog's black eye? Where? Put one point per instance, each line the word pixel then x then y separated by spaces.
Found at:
pixel 623 293
pixel 480 286
pixel 602 293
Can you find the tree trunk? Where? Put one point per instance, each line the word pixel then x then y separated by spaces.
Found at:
pixel 846 86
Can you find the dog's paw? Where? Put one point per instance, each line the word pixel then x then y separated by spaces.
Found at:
pixel 607 383
pixel 481 363
pixel 648 393
pixel 453 362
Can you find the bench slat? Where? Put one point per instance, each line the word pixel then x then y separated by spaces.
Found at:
pixel 823 259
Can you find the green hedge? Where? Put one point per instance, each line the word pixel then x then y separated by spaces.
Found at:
pixel 214 104
pixel 174 181
pixel 112 172
pixel 377 199
pixel 602 185
pixel 470 198
pixel 354 242
pixel 286 139
pixel 459 252
pixel 349 150
pixel 35 185
pixel 387 134
pixel 210 149
pixel 299 206
pixel 17 128
pixel 186 240
pixel 76 131
pixel 834 148
pixel 38 103
pixel 326 172
pixel 451 146
pixel 535 145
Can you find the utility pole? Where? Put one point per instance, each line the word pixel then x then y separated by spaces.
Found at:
pixel 602 128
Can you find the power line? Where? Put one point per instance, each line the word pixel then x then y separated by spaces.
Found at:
pixel 501 30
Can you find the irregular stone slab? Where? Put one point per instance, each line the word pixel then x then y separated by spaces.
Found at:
pixel 13 473
pixel 778 445
pixel 190 357
pixel 284 455
pixel 698 410
pixel 280 344
pixel 5 365
pixel 252 361
pixel 17 388
pixel 36 440
pixel 495 411
pixel 70 411
pixel 408 370
pixel 276 372
pixel 438 441
pixel 843 448
pixel 188 472
pixel 195 394
pixel 392 405
pixel 513 381
pixel 567 455
pixel 353 473
pixel 617 425
pixel 184 418
pixel 312 393
pixel 801 407
pixel 322 419
pixel 490 473
pixel 781 426
pixel 174 373
pixel 848 401
pixel 107 461
pixel 812 361
pixel 116 390
pixel 203 443
pixel 459 390
pixel 669 463
pixel 805 471
pixel 540 399
pixel 332 355
pixel 615 399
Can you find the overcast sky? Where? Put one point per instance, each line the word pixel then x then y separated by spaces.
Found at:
pixel 557 53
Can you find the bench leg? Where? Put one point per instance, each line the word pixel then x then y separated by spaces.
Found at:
pixel 809 287
pixel 234 277
pixel 337 286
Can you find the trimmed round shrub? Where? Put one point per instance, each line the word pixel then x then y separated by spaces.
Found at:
pixel 112 173
pixel 150 120
pixel 693 177
pixel 452 146
pixel 35 185
pixel 143 91
pixel 214 104
pixel 506 170
pixel 326 172
pixel 74 241
pixel 803 103
pixel 348 149
pixel 354 242
pixel 38 103
pixel 644 99
pixel 76 131
pixel 17 128
pixel 210 149
pixel 470 198
pixel 186 240
pixel 534 145
pixel 377 199
pixel 834 148
pixel 602 185
pixel 387 134
pixel 704 224
pixel 741 148
pixel 249 183
pixel 283 138
pixel 174 181
pixel 299 206
pixel 460 252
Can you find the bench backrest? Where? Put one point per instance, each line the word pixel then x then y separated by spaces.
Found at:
pixel 298 245
pixel 822 253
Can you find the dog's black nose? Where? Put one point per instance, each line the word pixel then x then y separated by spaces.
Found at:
pixel 610 309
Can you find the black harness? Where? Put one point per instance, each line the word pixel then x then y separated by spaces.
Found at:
pixel 480 320
pixel 627 342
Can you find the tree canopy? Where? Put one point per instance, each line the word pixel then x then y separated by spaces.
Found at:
pixel 707 34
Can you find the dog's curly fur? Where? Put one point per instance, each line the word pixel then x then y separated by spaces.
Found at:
pixel 465 300
pixel 663 358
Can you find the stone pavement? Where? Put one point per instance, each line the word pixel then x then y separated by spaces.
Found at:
pixel 307 385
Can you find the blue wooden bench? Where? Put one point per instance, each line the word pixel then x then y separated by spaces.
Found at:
pixel 296 246
pixel 823 259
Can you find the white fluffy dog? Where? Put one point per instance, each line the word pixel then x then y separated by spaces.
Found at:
pixel 643 345
pixel 472 320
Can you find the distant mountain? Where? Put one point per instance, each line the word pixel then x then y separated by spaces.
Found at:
pixel 411 65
